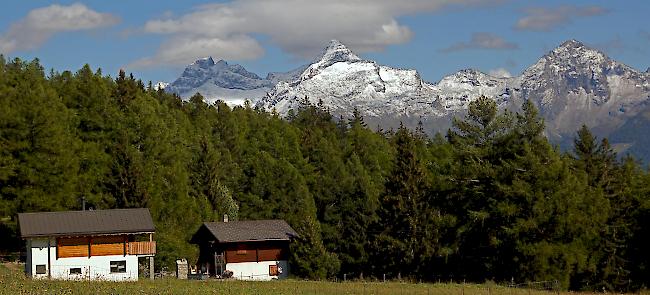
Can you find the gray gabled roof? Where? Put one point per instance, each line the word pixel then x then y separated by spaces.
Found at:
pixel 250 230
pixel 71 223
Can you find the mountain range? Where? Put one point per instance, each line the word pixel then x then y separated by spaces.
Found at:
pixel 571 85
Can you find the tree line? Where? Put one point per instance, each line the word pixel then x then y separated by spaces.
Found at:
pixel 491 199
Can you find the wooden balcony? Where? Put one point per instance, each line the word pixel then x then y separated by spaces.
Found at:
pixel 141 248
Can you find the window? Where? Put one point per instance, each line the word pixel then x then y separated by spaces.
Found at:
pixel 75 271
pixel 241 252
pixel 40 269
pixel 273 270
pixel 118 266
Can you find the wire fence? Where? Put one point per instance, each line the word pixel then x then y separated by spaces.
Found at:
pixel 553 285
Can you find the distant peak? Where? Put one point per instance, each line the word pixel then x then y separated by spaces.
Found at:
pixel 204 62
pixel 469 72
pixel 572 43
pixel 333 53
pixel 573 49
pixel 335 45
pixel 573 46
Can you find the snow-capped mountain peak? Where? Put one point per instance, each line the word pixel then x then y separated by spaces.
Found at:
pixel 346 81
pixel 204 62
pixel 574 67
pixel 573 52
pixel 334 52
pixel 220 80
pixel 571 84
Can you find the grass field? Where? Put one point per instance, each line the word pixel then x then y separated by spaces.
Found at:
pixel 12 281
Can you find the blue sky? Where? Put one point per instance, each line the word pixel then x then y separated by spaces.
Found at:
pixel 154 40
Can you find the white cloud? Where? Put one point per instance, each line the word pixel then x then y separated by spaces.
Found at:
pixel 301 28
pixel 482 40
pixel 42 23
pixel 179 48
pixel 500 73
pixel 547 19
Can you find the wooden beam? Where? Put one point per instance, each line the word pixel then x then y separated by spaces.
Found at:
pixel 49 260
pixel 151 269
pixel 90 241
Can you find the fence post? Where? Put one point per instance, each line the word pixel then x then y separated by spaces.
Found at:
pixel 345 277
pixel 384 278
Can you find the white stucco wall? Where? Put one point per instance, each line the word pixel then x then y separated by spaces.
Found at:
pixel 257 270
pixel 95 267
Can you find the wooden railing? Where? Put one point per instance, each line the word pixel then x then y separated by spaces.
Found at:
pixel 142 248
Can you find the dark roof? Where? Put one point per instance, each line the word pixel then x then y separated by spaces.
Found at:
pixel 70 223
pixel 248 230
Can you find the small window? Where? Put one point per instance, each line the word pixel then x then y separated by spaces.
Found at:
pixel 273 270
pixel 118 266
pixel 75 271
pixel 241 252
pixel 40 269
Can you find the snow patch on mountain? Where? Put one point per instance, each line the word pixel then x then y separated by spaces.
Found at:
pixel 160 85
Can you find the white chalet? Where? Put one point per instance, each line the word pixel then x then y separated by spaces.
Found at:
pixel 87 245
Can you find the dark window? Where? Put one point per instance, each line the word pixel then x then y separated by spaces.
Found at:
pixel 75 271
pixel 40 269
pixel 118 266
pixel 273 270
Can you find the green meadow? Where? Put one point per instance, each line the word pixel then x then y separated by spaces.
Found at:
pixel 13 281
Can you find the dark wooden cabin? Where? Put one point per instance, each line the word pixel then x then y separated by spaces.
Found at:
pixel 251 250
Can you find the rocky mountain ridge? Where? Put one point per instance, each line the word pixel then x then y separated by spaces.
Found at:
pixel 572 85
pixel 220 80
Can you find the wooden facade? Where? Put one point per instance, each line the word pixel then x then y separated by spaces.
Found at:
pixel 89 246
pixel 255 251
pixel 213 257
pixel 247 250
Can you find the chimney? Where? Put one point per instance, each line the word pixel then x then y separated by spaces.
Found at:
pixel 225 218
